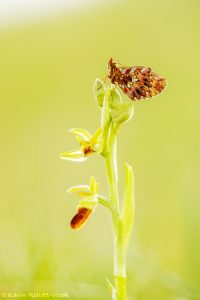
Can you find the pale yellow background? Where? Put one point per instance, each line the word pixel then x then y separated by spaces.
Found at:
pixel 47 71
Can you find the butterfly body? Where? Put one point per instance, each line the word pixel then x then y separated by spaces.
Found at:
pixel 136 82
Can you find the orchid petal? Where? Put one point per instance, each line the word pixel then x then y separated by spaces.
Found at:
pixel 96 135
pixel 93 186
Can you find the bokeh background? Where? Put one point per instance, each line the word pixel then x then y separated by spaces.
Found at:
pixel 49 59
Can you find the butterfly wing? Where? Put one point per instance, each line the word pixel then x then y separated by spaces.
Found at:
pixel 139 82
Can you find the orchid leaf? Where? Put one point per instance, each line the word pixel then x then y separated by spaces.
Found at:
pixel 112 289
pixel 128 209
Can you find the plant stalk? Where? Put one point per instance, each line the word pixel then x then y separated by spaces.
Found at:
pixel 119 250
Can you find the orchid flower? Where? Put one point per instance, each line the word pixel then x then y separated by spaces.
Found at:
pixel 88 145
pixel 87 204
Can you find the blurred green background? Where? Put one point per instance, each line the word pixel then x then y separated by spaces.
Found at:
pixel 47 71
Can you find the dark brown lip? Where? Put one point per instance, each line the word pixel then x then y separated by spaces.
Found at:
pixel 80 218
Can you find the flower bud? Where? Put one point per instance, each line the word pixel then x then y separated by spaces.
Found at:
pixel 99 92
pixel 115 97
pixel 122 112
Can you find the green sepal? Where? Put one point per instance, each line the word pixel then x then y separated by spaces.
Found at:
pixel 99 92
pixel 85 190
pixel 81 133
pixel 122 112
pixel 80 190
pixel 74 155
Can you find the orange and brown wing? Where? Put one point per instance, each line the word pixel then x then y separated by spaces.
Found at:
pixel 141 83
pixel 136 82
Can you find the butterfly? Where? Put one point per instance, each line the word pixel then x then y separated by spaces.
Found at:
pixel 136 82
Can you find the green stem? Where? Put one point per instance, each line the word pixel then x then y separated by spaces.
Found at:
pixel 119 250
pixel 119 264
pixel 111 167
pixel 110 132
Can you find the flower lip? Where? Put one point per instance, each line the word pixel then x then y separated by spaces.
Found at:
pixel 88 150
pixel 80 218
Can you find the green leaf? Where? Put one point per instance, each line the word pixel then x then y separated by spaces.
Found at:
pixel 111 288
pixel 122 112
pixel 99 91
pixel 128 209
